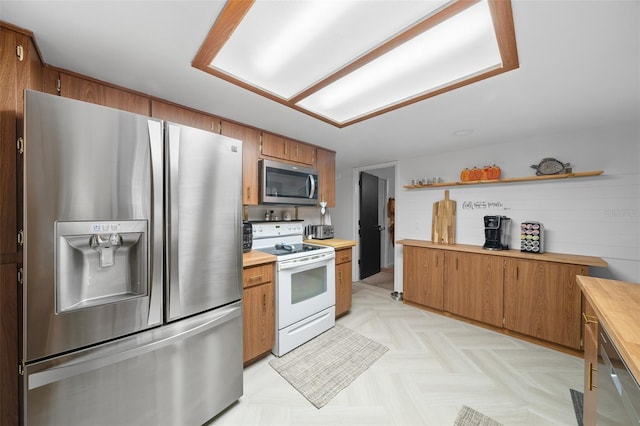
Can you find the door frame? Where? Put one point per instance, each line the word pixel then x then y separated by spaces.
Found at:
pixel 356 205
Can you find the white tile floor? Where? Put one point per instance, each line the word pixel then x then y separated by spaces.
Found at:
pixel 435 365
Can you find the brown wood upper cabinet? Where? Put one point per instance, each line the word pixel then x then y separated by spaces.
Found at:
pixel 187 117
pixel 286 149
pixel 250 138
pixel 74 87
pixel 326 165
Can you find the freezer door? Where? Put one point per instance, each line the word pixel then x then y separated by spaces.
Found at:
pixel 183 373
pixel 204 222
pixel 93 228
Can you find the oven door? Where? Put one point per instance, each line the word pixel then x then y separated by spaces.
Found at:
pixel 305 286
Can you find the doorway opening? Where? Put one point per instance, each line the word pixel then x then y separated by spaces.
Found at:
pixel 374 208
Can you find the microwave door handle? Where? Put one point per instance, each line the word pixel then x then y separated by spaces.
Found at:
pixel 313 186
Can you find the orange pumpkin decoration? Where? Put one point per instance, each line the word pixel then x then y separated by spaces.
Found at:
pixel 475 174
pixel 464 175
pixel 494 172
pixel 485 173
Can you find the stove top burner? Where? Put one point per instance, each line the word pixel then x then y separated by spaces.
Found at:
pixel 284 249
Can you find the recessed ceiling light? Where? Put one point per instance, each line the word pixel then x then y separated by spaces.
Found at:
pixel 345 61
pixel 463 132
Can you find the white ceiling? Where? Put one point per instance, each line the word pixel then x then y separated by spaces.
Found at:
pixel 579 67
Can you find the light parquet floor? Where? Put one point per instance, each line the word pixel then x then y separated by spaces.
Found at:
pixel 434 366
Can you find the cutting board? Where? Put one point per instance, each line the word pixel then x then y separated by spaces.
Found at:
pixel 443 222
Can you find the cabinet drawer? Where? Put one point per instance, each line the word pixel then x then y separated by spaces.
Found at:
pixel 343 256
pixel 255 275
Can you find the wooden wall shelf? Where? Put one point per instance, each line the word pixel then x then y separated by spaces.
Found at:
pixel 507 180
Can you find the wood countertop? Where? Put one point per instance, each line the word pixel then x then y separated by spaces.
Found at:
pixel 255 257
pixel 336 243
pixel 617 305
pixel 573 259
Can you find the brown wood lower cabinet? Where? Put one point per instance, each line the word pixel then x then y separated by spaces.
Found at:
pixel 343 281
pixel 542 299
pixel 532 295
pixel 258 313
pixel 423 271
pixel 474 286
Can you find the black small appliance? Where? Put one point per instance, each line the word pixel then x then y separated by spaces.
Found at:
pixel 496 232
pixel 247 236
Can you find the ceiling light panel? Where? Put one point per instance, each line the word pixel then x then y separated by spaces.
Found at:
pixel 460 47
pixel 345 61
pixel 284 47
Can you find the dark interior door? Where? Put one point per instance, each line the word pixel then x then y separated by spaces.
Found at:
pixel 369 226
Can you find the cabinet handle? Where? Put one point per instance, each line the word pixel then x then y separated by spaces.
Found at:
pixel 285 148
pixel 255 277
pixel 264 300
pixel 456 264
pixel 517 273
pixel 589 319
pixel 590 384
pixel 248 193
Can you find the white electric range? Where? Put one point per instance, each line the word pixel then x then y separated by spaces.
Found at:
pixel 305 283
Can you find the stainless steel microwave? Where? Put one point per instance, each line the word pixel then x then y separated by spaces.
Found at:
pixel 283 183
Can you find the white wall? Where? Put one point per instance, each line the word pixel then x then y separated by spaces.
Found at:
pixel 598 216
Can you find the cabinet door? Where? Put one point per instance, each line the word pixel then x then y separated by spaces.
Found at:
pixel 343 281
pixel 302 153
pixel 474 286
pixel 590 365
pixel 16 74
pixel 250 154
pixel 286 149
pixel 275 146
pixel 184 116
pixel 542 299
pixel 423 271
pixel 258 320
pixel 101 94
pixel 326 165
pixel 9 132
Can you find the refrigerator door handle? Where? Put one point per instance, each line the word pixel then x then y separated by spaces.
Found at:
pixel 156 244
pixel 172 197
pixel 82 364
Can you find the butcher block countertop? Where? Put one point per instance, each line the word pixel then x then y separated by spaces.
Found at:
pixel 573 259
pixel 255 257
pixel 336 243
pixel 617 305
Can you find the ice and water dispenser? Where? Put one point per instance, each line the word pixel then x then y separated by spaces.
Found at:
pixel 99 262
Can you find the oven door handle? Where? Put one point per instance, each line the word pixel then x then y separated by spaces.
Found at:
pixel 307 260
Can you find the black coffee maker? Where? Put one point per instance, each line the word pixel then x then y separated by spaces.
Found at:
pixel 496 232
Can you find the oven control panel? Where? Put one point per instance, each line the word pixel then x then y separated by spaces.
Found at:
pixel 267 230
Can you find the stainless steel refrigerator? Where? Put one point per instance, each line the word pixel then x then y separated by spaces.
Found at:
pixel 132 268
